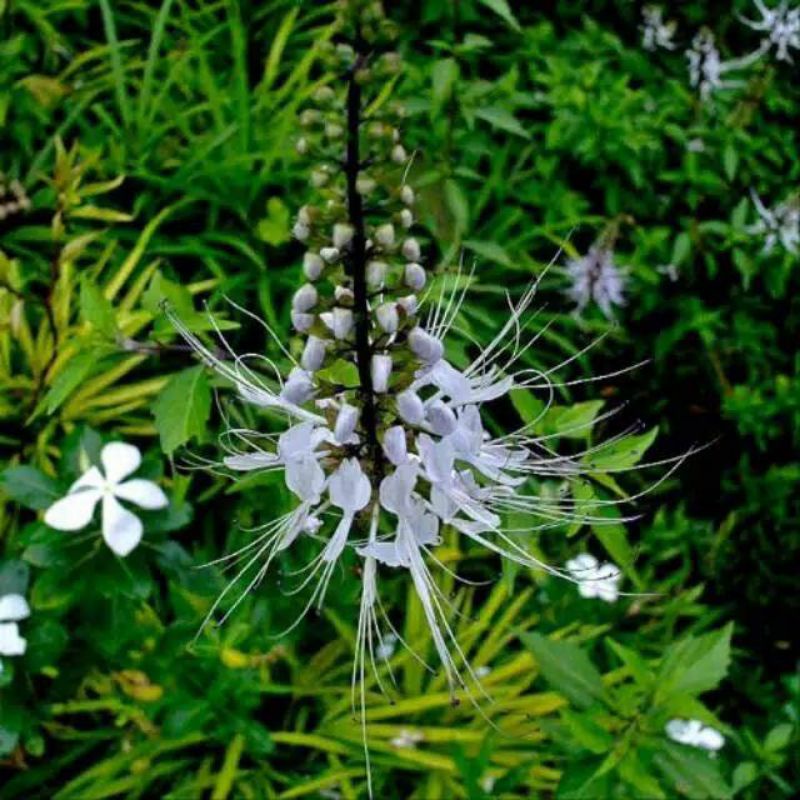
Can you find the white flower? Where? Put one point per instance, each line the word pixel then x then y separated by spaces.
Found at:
pixel 655 31
pixel 781 25
pixel 313 265
pixel 385 650
pixel 406 740
pixel 346 421
pixel 349 490
pixel 339 322
pixel 779 224
pixel 313 354
pixel 707 70
pixel 122 530
pixel 387 316
pixel 406 218
pixel 693 733
pixel 381 368
pixel 415 276
pixel 13 608
pixel 595 579
pixel 299 388
pixel 595 277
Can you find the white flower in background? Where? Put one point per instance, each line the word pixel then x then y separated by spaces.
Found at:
pixel 595 580
pixel 407 739
pixel 655 31
pixel 693 733
pixel 596 278
pixel 122 529
pixel 707 70
pixel 781 26
pixel 778 224
pixel 13 608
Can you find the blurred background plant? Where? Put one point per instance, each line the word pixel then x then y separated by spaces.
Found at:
pixel 147 154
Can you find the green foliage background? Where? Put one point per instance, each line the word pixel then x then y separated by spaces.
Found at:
pixel 156 143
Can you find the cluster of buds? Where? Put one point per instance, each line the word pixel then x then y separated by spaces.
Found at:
pixel 13 198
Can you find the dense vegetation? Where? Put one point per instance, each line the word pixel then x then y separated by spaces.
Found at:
pixel 148 159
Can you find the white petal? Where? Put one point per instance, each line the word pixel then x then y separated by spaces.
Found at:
pixel 91 479
pixel 394 445
pixel 144 494
pixel 305 478
pixel 73 512
pixel 11 643
pixel 13 607
pixel 248 461
pixel 296 442
pixel 349 487
pixel 122 530
pixel 396 489
pixel 120 460
pixel 384 552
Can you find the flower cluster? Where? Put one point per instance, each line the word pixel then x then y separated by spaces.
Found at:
pixel 595 580
pixel 781 27
pixel 122 529
pixel 693 733
pixel 707 70
pixel 778 224
pixel 13 608
pixel 656 32
pixel 595 277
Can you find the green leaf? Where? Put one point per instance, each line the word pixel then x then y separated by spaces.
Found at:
pixel 636 665
pixel 570 422
pixel 182 408
pixel 695 664
pixel 458 204
pixel 587 732
pixel 692 773
pixel 444 75
pixel 567 668
pixel 29 487
pixel 274 229
pixel 340 373
pixel 74 373
pixel 97 310
pixel 622 453
pixel 502 119
pixel 502 9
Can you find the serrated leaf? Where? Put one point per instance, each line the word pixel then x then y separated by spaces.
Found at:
pixel 692 773
pixel 182 408
pixel 567 668
pixel 97 310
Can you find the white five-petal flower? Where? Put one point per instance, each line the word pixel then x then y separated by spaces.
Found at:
pixel 595 579
pixel 122 529
pixel 13 608
pixel 693 733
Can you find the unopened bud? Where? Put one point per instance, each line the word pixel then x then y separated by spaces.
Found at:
pixel 312 266
pixel 399 155
pixel 394 445
pixel 346 421
pixel 333 130
pixel 410 407
pixel 384 235
pixel 313 354
pixel 411 249
pixel 339 322
pixel 441 418
pixel 376 274
pixel 365 185
pixel 301 322
pixel 414 276
pixel 299 388
pixel 342 235
pixel 301 145
pixel 407 195
pixel 309 117
pixel 406 218
pixel 344 295
pixel 324 95
pixel 381 369
pixel 319 177
pixel 330 254
pixel 305 298
pixel 387 317
pixel 409 304
pixel 427 348
pixel 301 232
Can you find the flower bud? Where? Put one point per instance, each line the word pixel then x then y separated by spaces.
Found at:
pixel 346 421
pixel 319 177
pixel 406 218
pixel 312 524
pixel 312 265
pixel 409 304
pixel 387 317
pixel 309 117
pixel 399 154
pixel 301 145
pixel 414 276
pixel 410 407
pixel 313 354
pixel 376 274
pixel 330 254
pixel 381 369
pixel 299 388
pixel 323 95
pixel 384 235
pixel 365 185
pixel 344 295
pixel 424 346
pixel 339 322
pixel 300 231
pixel 301 321
pixel 342 235
pixel 441 418
pixel 407 195
pixel 394 445
pixel 411 249
pixel 333 130
pixel 305 298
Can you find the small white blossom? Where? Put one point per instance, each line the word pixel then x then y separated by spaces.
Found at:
pixel 399 155
pixel 655 31
pixel 339 322
pixel 330 254
pixel 299 388
pixel 313 266
pixel 385 650
pixel 387 316
pixel 406 739
pixel 411 249
pixel 13 609
pixel 122 530
pixel 595 579
pixel 778 224
pixel 376 274
pixel 595 277
pixel 313 354
pixel 707 70
pixel 410 407
pixel 409 304
pixel 305 298
pixel 693 733
pixel 300 231
pixel 346 421
pixel 342 235
pixel 301 322
pixel 394 445
pixel 781 26
pixel 406 218
pixel 426 347
pixel 384 235
pixel 407 195
pixel 381 370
